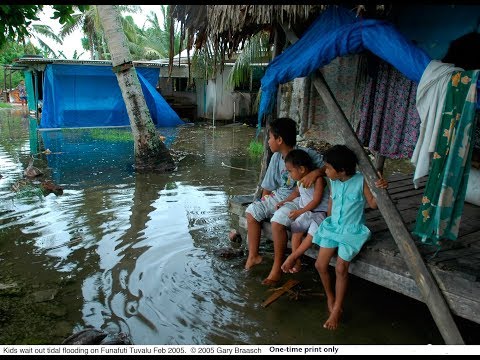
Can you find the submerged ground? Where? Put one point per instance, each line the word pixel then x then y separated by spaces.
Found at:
pixel 138 253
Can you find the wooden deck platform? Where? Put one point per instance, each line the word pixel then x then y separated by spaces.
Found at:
pixel 455 267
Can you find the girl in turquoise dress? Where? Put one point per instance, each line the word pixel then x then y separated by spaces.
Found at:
pixel 344 228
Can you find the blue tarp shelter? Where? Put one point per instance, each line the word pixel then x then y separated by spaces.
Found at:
pixel 89 96
pixel 338 32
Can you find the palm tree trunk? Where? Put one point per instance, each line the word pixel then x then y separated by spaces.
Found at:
pixel 151 154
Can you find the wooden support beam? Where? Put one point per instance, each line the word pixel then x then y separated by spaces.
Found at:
pixel 267 153
pixel 429 289
pixel 379 162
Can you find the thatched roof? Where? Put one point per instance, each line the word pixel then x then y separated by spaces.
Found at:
pixel 232 24
pixel 229 26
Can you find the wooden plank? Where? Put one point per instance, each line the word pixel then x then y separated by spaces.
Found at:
pixel 403 188
pixel 405 183
pixel 280 291
pixel 237 203
pixel 406 194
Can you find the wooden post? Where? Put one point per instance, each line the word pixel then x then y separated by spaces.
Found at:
pixel 35 92
pixel 267 153
pixel 7 95
pixel 431 294
pixel 379 162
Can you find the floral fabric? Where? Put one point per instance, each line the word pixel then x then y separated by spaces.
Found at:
pixel 442 204
pixel 389 120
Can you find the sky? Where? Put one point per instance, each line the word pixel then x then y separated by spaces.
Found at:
pixel 73 41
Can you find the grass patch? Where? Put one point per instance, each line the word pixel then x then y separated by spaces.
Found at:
pixel 29 192
pixel 5 105
pixel 255 148
pixel 113 135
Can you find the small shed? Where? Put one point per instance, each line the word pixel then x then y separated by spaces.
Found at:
pixel 85 93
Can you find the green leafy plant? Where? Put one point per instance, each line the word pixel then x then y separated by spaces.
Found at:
pixel 255 148
pixel 256 50
pixel 111 135
pixel 29 192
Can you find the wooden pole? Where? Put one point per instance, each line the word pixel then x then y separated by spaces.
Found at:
pixel 7 100
pixel 379 162
pixel 429 289
pixel 267 153
pixel 35 93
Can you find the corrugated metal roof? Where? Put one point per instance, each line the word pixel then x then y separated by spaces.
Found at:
pixel 38 60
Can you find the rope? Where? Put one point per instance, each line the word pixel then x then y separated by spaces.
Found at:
pixel 233 167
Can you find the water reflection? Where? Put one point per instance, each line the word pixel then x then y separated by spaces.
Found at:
pixel 131 252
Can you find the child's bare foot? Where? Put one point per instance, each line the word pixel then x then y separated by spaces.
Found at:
pixel 297 267
pixel 273 278
pixel 252 261
pixel 270 282
pixel 333 320
pixel 288 264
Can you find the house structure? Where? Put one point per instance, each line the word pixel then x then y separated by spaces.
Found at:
pixel 85 93
pixel 194 96
pixel 328 102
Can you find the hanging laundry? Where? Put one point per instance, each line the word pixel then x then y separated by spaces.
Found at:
pixel 389 120
pixel 431 93
pixel 442 204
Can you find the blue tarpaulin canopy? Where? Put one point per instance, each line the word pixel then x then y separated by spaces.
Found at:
pixel 338 32
pixel 89 96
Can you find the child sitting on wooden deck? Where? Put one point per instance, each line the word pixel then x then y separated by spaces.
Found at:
pixel 305 207
pixel 344 228
pixel 277 185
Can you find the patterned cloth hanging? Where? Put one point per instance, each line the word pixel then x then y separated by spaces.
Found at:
pixel 389 120
pixel 442 204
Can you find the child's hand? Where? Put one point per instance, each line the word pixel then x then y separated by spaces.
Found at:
pixel 280 204
pixel 288 264
pixel 381 183
pixel 294 214
pixel 308 180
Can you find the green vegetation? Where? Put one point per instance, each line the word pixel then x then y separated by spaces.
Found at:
pixel 113 135
pixel 29 191
pixel 255 148
pixel 5 105
pixel 10 52
pixel 15 20
pixel 256 50
pixel 152 41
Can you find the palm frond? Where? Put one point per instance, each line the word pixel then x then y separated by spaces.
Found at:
pixel 46 31
pixel 45 48
pixel 129 28
pixel 255 50
pixel 69 27
pixel 133 9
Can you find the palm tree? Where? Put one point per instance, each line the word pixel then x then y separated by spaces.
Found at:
pixel 151 154
pixel 37 31
pixel 157 37
pixel 89 22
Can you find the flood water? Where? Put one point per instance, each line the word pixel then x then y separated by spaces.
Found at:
pixel 136 253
